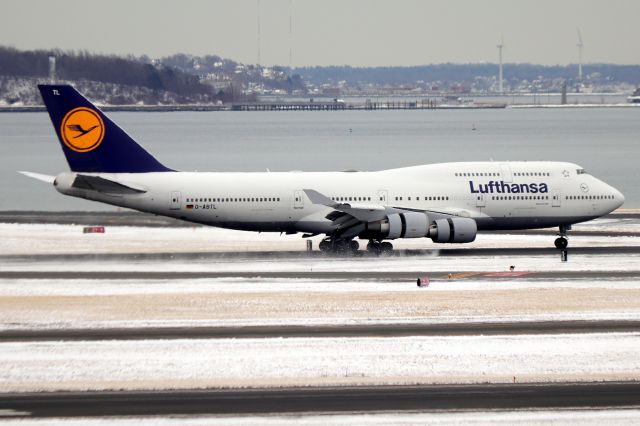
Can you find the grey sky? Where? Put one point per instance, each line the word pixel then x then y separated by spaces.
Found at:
pixel 333 32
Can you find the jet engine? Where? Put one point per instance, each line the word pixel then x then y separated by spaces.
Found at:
pixel 453 230
pixel 418 225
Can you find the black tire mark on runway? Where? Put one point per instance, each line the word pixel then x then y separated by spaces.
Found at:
pixel 325 399
pixel 351 330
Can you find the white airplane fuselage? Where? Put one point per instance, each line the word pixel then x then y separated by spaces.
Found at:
pixel 497 195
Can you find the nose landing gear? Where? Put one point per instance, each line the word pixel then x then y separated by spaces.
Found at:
pixel 562 242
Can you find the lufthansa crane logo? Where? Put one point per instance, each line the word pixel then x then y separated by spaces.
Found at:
pixel 82 129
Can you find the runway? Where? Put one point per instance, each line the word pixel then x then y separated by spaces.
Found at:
pixel 322 399
pixel 301 254
pixel 261 326
pixel 342 330
pixel 319 275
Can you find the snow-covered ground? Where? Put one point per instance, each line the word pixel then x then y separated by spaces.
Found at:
pixel 582 417
pixel 86 303
pixel 68 239
pixel 34 366
pixel 417 264
pixel 88 287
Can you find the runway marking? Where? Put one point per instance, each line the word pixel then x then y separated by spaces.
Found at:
pixel 461 275
pixel 506 274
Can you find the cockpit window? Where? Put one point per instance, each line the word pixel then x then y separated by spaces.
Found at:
pixel 580 171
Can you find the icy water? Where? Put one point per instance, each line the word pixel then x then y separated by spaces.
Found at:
pixel 605 141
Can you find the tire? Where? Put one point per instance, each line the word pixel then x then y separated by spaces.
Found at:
pixel 340 246
pixel 373 248
pixel 324 246
pixel 354 246
pixel 561 243
pixel 386 247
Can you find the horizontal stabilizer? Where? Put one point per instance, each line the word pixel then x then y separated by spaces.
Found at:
pixel 96 183
pixel 39 176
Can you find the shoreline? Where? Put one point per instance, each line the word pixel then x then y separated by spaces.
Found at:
pixel 306 106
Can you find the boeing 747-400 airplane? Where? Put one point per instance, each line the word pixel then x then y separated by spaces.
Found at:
pixel 448 203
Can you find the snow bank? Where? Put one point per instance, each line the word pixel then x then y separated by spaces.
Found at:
pixel 35 366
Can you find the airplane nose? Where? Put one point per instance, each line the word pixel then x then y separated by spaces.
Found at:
pixel 622 199
pixel 618 197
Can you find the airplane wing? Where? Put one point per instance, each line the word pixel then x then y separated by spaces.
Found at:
pixel 363 212
pixel 352 218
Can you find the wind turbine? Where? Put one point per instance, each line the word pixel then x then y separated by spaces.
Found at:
pixel 579 45
pixel 500 46
pixel 258 15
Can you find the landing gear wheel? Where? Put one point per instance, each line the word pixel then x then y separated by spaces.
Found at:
pixel 386 247
pixel 340 246
pixel 373 247
pixel 561 243
pixel 354 246
pixel 325 246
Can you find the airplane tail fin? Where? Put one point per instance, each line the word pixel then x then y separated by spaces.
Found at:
pixel 91 142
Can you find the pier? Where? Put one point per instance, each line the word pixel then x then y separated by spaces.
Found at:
pixel 288 106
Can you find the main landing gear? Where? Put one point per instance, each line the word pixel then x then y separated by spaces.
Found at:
pixel 339 246
pixel 379 247
pixel 346 247
pixel 561 242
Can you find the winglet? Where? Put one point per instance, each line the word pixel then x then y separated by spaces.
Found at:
pixel 39 176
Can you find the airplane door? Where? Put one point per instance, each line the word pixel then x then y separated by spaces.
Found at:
pixel 298 200
pixel 555 198
pixel 480 201
pixel 505 171
pixel 176 200
pixel 383 197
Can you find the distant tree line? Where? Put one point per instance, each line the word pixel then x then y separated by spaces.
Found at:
pixel 82 65
pixel 462 72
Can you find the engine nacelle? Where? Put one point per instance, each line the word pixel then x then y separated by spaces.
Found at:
pixel 418 225
pixel 453 230
pixel 399 225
